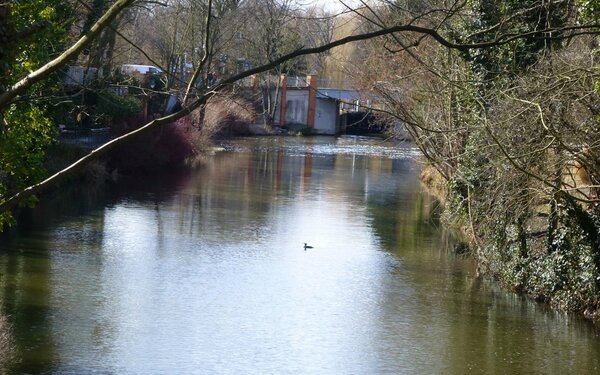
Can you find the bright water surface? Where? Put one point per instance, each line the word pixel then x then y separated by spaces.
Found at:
pixel 204 272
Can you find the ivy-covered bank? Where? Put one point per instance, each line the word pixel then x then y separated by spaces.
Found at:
pixel 562 270
pixel 513 135
pixel 525 182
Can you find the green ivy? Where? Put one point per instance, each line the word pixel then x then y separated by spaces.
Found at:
pixel 43 27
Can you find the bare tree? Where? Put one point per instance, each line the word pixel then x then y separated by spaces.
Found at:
pixel 317 28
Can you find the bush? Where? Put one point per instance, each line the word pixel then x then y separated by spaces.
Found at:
pixel 166 145
pixel 226 116
pixel 114 109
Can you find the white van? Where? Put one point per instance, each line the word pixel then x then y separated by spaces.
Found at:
pixel 140 69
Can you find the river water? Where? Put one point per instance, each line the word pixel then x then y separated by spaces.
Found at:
pixel 204 272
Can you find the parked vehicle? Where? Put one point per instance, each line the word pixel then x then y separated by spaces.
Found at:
pixel 140 69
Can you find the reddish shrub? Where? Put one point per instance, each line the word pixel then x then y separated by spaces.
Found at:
pixel 191 135
pixel 169 144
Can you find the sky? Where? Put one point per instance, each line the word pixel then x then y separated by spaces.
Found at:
pixel 330 5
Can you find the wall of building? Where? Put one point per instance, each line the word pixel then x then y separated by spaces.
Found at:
pixel 326 117
pixel 296 107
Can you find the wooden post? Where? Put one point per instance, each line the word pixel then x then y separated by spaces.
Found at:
pixel 254 86
pixel 254 82
pixel 282 102
pixel 145 108
pixel 313 80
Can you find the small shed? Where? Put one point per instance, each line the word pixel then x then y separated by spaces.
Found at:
pixel 304 103
pixel 304 106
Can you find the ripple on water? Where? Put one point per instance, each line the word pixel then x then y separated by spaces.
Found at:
pixel 322 146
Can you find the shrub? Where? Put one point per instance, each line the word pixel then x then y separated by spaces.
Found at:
pixel 225 116
pixel 114 109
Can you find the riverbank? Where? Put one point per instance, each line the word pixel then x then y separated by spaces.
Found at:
pixel 562 274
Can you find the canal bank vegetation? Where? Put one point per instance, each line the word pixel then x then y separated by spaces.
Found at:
pixel 511 137
pixel 500 96
pixel 7 345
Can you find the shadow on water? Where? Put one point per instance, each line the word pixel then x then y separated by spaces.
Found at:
pixel 74 199
pixel 27 343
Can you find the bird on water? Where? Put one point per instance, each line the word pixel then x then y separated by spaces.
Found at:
pixel 307 246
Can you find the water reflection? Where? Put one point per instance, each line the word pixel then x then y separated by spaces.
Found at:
pixel 204 272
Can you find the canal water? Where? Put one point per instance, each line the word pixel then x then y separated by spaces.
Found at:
pixel 204 272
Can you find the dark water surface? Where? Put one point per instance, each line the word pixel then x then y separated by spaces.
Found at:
pixel 204 272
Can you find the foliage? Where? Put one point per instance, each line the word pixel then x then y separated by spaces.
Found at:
pixel 590 9
pixel 114 108
pixel 166 146
pixel 40 30
pixel 513 17
pixel 538 125
pixel 536 235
